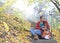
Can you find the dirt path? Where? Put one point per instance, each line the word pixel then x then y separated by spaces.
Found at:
pixel 44 41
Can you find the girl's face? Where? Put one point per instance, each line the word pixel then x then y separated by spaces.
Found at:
pixel 42 19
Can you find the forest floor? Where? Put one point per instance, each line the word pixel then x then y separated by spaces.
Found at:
pixel 13 31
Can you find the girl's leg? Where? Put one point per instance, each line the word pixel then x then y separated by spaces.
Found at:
pixel 38 32
pixel 34 33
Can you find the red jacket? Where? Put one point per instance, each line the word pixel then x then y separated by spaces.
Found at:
pixel 38 25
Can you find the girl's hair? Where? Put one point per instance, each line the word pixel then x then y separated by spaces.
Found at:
pixel 41 17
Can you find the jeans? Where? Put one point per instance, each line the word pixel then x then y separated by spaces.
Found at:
pixel 35 31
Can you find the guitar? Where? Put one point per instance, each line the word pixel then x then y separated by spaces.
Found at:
pixel 46 34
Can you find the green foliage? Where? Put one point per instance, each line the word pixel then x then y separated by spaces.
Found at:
pixel 9 3
pixel 6 26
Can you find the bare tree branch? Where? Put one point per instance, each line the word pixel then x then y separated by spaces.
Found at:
pixel 55 3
